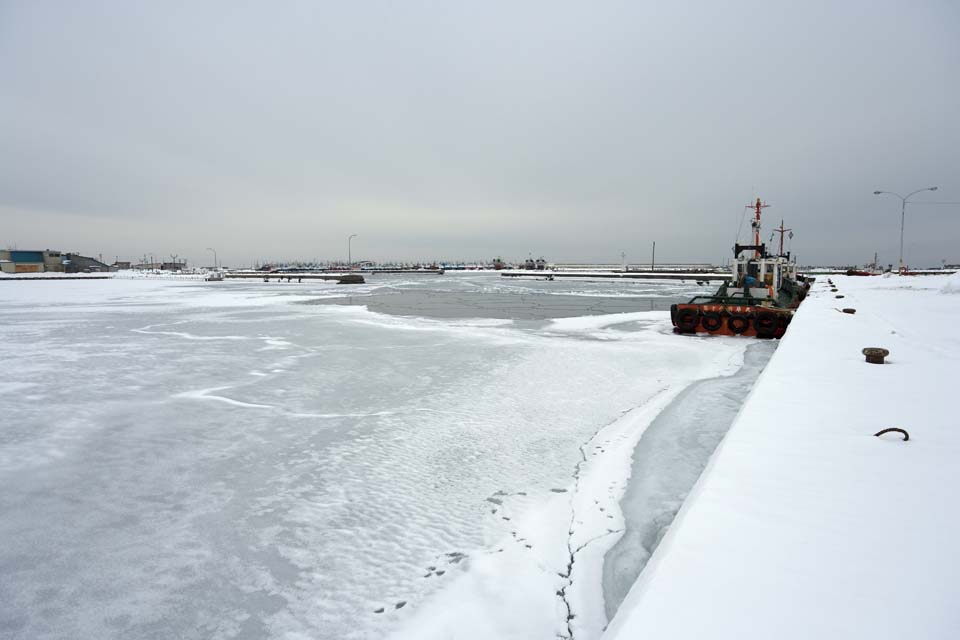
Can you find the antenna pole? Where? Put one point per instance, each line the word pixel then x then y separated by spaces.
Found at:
pixel 756 228
pixel 781 231
pixel 756 225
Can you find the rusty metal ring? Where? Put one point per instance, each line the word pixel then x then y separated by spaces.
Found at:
pixel 906 436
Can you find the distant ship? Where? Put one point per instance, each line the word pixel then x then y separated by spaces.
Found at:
pixel 872 269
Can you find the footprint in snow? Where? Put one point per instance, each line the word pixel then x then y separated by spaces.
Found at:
pixel 558 490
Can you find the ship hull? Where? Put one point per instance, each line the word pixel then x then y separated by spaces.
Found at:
pixel 751 321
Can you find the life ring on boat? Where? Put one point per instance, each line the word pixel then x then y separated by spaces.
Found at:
pixel 687 319
pixel 766 324
pixel 711 321
pixel 738 323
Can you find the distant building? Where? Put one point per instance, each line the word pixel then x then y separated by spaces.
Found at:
pixel 52 261
pixel 15 261
pixel 75 263
pixel 120 266
pixel 160 266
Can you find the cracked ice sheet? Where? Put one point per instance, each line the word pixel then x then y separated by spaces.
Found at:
pixel 162 478
pixel 521 585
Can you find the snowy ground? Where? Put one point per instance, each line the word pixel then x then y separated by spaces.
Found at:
pixel 805 525
pixel 232 460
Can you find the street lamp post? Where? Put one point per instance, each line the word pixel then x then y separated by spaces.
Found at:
pixel 350 251
pixel 214 257
pixel 903 212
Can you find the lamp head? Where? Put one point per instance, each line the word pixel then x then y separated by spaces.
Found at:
pixel 876 193
pixel 933 188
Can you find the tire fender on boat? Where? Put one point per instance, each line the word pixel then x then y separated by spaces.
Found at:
pixel 687 319
pixel 765 324
pixel 738 323
pixel 711 321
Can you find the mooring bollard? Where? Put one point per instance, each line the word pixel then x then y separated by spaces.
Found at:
pixel 875 355
pixel 906 436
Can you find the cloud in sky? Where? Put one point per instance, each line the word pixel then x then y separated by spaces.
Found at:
pixel 466 130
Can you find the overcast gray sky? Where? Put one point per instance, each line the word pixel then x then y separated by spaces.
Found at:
pixel 472 129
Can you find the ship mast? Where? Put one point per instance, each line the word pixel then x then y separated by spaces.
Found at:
pixel 781 231
pixel 756 226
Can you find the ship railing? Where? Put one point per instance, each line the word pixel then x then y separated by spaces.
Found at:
pixel 737 298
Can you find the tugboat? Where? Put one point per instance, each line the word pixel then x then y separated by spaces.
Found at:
pixel 760 298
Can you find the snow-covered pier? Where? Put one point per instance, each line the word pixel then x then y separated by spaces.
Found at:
pixel 806 525
pixel 698 276
pixel 267 276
